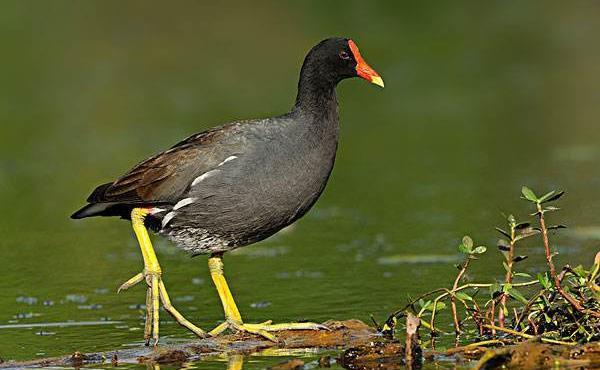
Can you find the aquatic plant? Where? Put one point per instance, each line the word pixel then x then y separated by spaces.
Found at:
pixel 564 307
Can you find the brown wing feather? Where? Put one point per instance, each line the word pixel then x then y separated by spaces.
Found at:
pixel 165 177
pixel 161 178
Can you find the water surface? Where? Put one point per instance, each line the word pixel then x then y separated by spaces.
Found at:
pixel 479 100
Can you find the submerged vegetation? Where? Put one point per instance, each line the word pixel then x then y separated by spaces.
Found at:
pixel 555 306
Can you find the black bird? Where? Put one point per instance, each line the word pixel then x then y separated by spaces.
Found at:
pixel 235 184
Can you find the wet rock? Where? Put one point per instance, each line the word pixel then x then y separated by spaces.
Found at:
pixel 341 334
pixel 536 355
pixel 167 357
pixel 326 361
pixel 293 364
pixel 382 354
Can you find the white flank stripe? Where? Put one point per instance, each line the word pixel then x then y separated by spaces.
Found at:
pixel 183 203
pixel 204 176
pixel 156 210
pixel 231 158
pixel 168 217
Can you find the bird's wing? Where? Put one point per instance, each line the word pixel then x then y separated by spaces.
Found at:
pixel 164 177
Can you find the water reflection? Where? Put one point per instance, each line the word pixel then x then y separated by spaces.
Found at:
pixel 234 362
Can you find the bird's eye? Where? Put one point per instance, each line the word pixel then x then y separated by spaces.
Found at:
pixel 344 55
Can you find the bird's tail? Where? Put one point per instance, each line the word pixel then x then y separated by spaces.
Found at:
pixel 90 210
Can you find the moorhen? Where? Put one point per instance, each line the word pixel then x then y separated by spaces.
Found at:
pixel 234 185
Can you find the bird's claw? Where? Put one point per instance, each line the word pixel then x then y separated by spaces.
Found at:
pixel 156 294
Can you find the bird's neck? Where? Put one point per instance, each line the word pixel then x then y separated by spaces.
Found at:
pixel 316 94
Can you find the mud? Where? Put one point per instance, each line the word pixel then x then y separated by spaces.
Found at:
pixel 341 334
pixel 361 349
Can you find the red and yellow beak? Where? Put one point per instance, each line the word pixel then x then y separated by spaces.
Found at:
pixel 362 68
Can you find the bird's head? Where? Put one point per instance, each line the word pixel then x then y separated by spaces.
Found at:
pixel 337 58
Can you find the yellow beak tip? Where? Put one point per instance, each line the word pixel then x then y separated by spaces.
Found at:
pixel 377 81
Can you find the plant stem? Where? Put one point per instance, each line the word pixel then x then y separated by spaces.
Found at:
pixel 452 351
pixel 507 277
pixel 529 336
pixel 575 303
pixel 462 287
pixel 528 307
pixel 461 273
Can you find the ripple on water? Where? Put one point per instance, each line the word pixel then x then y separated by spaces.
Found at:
pixel 75 298
pixel 27 300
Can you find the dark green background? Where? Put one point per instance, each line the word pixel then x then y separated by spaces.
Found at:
pixel 480 98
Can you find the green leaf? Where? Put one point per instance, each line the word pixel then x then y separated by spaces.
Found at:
pixel 505 233
pixel 529 194
pixel 527 232
pixel 440 306
pixel 503 245
pixel 580 271
pixel 479 250
pixel 494 289
pixel 505 266
pixel 463 249
pixel 463 296
pixel 428 306
pixel 546 196
pixel 552 197
pixel 556 227
pixel 467 241
pixel 544 280
pixel 519 258
pixel 522 225
pixel 517 295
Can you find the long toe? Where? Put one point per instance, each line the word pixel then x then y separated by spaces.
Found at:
pixel 138 278
pixel 264 329
pixel 166 301
pixel 296 326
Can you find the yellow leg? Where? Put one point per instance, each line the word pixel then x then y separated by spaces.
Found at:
pixel 233 319
pixel 156 288
pixel 215 266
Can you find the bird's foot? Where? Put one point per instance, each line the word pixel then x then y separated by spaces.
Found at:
pixel 263 329
pixel 156 294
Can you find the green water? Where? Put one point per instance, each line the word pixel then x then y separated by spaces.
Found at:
pixel 480 98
